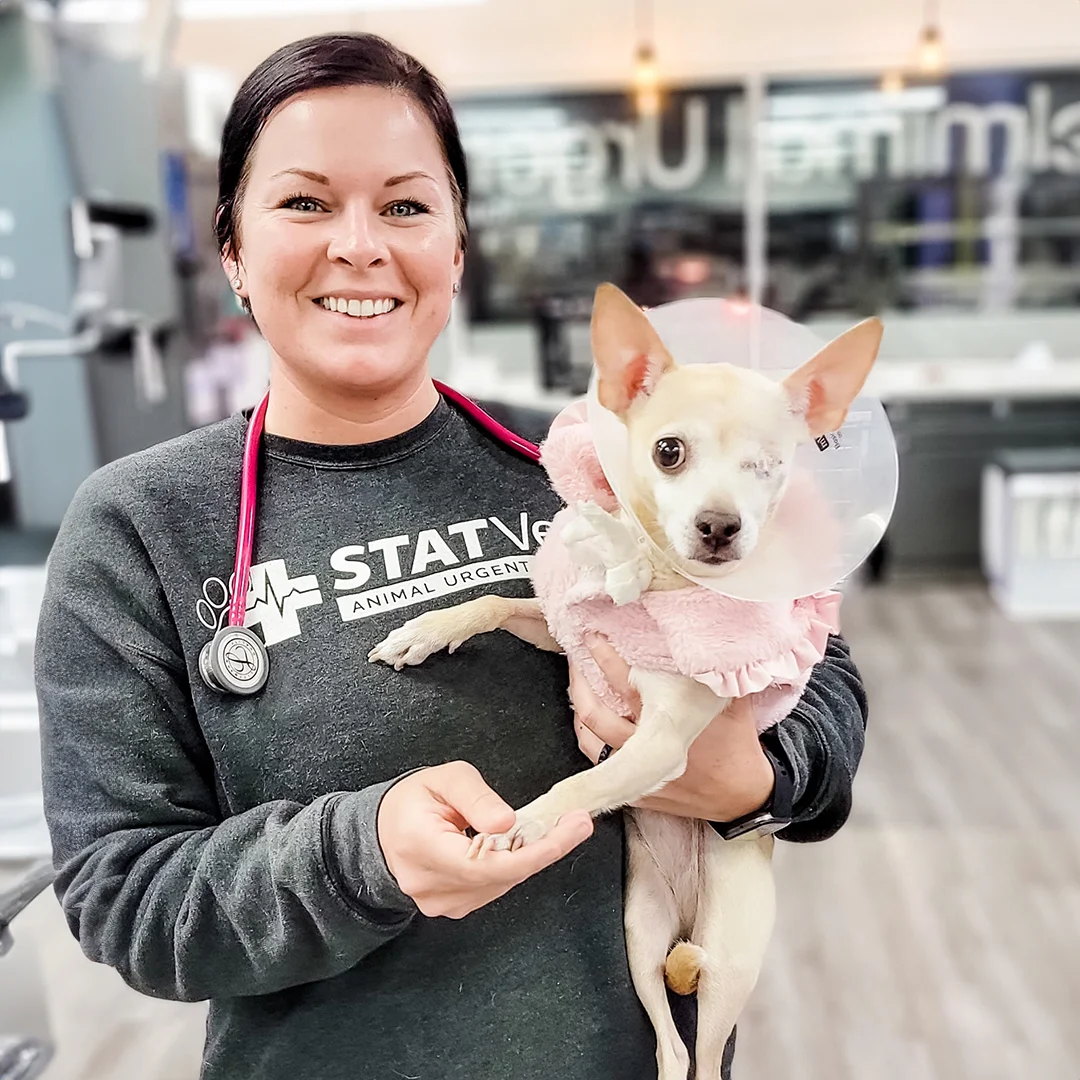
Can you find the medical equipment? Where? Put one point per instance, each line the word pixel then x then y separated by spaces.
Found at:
pixel 96 322
pixel 843 485
pixel 235 660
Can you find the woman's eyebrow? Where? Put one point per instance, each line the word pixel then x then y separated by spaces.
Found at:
pixel 318 178
pixel 406 177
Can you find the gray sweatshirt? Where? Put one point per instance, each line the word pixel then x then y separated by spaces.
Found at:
pixel 225 848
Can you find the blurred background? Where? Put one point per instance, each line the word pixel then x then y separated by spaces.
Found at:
pixel 919 161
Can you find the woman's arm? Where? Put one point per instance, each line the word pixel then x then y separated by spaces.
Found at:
pixel 728 773
pixel 821 742
pixel 155 879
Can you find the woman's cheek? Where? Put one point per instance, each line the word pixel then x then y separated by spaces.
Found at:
pixel 284 256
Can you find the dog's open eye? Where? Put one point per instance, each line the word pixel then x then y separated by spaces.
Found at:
pixel 669 453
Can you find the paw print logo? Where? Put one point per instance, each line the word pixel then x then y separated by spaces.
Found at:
pixel 212 608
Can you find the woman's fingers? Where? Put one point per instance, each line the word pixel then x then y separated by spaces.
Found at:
pixel 513 867
pixel 588 741
pixel 460 785
pixel 594 722
pixel 615 669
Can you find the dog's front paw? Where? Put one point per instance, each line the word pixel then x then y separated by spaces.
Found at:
pixel 414 642
pixel 529 826
pixel 599 539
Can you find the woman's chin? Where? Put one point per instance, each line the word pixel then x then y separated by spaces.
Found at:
pixel 377 368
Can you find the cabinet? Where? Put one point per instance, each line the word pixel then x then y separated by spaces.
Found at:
pixel 943 447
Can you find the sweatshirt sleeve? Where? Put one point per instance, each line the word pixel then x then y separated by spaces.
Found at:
pixel 185 901
pixel 820 743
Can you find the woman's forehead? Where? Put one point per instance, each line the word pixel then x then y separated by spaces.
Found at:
pixel 355 131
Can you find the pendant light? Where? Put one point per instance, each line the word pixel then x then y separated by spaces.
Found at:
pixel 931 49
pixel 646 78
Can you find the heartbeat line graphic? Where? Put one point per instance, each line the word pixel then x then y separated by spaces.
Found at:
pixel 274 599
pixel 270 598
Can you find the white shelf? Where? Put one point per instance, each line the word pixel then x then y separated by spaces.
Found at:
pixel 23 833
pixel 18 711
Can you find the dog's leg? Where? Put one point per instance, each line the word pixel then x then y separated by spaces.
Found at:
pixel 450 627
pixel 736 911
pixel 661 861
pixel 674 712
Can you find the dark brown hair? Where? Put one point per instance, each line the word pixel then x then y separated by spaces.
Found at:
pixel 316 63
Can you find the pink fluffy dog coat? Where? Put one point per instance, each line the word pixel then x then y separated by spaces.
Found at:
pixel 737 648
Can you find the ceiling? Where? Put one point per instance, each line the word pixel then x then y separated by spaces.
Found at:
pixel 498 44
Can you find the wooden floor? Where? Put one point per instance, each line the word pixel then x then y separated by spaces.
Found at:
pixel 937 937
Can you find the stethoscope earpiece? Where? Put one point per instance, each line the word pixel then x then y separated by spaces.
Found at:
pixel 234 662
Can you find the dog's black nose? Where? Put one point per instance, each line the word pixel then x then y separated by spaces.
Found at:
pixel 717 529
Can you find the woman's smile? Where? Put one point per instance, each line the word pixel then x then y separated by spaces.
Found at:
pixel 366 308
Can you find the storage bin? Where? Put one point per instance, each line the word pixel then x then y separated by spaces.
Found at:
pixel 1030 532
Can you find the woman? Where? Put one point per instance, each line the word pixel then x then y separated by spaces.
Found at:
pixel 298 856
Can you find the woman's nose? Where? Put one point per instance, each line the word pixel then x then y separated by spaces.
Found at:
pixel 358 240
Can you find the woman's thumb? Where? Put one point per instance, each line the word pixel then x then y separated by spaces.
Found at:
pixel 462 787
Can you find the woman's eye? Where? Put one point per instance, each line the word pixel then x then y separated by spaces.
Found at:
pixel 669 453
pixel 406 208
pixel 302 203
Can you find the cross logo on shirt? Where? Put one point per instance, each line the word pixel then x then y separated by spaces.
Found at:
pixel 274 599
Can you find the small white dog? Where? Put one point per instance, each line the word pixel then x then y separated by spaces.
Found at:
pixel 710 456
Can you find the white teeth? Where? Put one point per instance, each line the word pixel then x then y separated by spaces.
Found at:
pixel 361 309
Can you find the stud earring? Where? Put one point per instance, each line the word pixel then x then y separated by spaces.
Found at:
pixel 457 288
pixel 237 283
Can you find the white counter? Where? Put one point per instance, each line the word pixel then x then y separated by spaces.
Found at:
pixel 972 380
pixel 891 380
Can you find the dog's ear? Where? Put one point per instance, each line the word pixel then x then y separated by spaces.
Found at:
pixel 823 389
pixel 630 358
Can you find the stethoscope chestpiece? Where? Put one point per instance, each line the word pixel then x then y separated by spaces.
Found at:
pixel 234 662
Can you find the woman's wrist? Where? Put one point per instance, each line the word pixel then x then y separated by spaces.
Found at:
pixel 743 781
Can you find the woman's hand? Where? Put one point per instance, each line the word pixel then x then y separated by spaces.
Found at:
pixel 727 773
pixel 421 826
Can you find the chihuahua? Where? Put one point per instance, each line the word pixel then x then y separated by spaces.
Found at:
pixel 710 455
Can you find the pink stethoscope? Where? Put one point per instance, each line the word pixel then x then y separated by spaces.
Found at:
pixel 235 661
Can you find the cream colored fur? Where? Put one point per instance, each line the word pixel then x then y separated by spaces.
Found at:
pixel 683 881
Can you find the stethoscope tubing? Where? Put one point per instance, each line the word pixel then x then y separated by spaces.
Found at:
pixel 245 529
pixel 249 484
pixel 489 423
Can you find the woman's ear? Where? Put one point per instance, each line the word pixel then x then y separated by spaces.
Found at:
pixel 459 268
pixel 233 270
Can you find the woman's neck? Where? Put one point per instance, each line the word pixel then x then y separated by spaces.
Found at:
pixel 341 420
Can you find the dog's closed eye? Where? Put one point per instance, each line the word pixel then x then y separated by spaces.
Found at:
pixel 763 466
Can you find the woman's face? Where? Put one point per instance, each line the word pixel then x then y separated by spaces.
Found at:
pixel 348 202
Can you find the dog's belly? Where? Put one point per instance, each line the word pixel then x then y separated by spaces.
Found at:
pixel 677 846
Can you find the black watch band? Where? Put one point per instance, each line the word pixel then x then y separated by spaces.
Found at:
pixel 774 815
